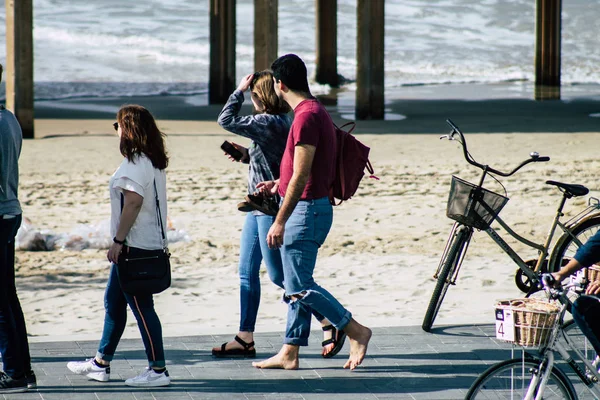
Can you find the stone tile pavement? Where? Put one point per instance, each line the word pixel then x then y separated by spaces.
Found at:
pixel 402 363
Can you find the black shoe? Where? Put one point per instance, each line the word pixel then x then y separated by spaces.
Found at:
pixel 10 385
pixel 31 380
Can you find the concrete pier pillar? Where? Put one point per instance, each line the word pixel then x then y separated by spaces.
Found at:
pixel 222 81
pixel 265 33
pixel 548 49
pixel 18 71
pixel 326 61
pixel 370 55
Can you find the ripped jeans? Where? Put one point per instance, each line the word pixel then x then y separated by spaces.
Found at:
pixel 305 232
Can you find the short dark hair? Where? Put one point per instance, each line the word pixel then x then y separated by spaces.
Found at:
pixel 291 70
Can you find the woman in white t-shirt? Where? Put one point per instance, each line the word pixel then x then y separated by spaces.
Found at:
pixel 134 220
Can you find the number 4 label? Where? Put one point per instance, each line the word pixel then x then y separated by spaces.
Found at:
pixel 505 325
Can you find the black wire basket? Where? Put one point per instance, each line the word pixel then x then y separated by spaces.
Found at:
pixel 472 205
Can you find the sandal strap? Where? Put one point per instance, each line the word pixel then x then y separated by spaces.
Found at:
pixel 333 338
pixel 243 343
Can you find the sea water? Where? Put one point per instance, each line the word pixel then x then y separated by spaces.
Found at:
pixel 109 48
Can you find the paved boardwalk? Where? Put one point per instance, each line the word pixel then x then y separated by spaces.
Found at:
pixel 402 363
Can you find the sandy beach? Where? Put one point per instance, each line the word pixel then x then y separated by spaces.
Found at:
pixel 383 247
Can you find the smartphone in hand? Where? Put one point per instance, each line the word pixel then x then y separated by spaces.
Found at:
pixel 231 150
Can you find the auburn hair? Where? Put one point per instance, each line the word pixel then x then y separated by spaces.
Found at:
pixel 140 135
pixel 262 85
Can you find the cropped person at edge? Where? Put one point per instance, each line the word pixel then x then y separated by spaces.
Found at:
pixel 14 347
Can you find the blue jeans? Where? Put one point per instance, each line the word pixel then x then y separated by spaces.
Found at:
pixel 305 232
pixel 586 313
pixel 14 346
pixel 115 318
pixel 253 250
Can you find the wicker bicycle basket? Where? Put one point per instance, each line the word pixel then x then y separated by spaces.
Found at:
pixel 534 320
pixel 593 273
pixel 465 204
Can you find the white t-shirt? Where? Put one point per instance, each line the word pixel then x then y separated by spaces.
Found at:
pixel 139 177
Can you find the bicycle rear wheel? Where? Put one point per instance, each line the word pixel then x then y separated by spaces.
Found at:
pixel 450 263
pixel 510 379
pixel 566 247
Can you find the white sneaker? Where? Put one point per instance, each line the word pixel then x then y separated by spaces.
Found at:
pixel 150 378
pixel 90 369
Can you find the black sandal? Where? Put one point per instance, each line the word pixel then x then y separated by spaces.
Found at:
pixel 337 337
pixel 246 352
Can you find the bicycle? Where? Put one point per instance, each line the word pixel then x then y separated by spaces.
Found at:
pixel 538 377
pixel 474 207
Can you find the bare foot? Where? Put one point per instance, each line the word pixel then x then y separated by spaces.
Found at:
pixel 328 347
pixel 287 358
pixel 359 341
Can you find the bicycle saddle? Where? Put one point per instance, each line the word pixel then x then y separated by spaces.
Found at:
pixel 570 190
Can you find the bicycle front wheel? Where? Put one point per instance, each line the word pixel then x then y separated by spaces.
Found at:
pixel 510 379
pixel 450 263
pixel 567 246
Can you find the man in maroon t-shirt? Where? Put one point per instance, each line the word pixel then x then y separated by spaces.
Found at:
pixel 306 174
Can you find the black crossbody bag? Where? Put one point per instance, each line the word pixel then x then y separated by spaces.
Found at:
pixel 142 271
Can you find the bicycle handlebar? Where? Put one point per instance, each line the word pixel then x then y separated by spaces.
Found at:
pixel 557 291
pixel 534 156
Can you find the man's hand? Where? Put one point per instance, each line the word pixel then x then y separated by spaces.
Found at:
pixel 558 278
pixel 593 288
pixel 275 235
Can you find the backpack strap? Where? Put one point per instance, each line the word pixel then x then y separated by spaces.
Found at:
pixel 339 150
pixel 352 125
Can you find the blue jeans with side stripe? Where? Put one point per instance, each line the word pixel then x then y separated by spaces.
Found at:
pixel 115 319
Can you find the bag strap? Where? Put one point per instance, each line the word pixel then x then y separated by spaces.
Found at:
pixel 162 229
pixel 158 213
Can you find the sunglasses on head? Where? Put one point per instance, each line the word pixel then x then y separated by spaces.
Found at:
pixel 116 126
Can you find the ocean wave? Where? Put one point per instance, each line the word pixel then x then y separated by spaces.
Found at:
pixel 110 48
pixel 47 91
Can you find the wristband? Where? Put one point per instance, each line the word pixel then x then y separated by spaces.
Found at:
pixel 121 242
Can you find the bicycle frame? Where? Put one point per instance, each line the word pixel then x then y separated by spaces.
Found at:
pixel 543 249
pixel 474 213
